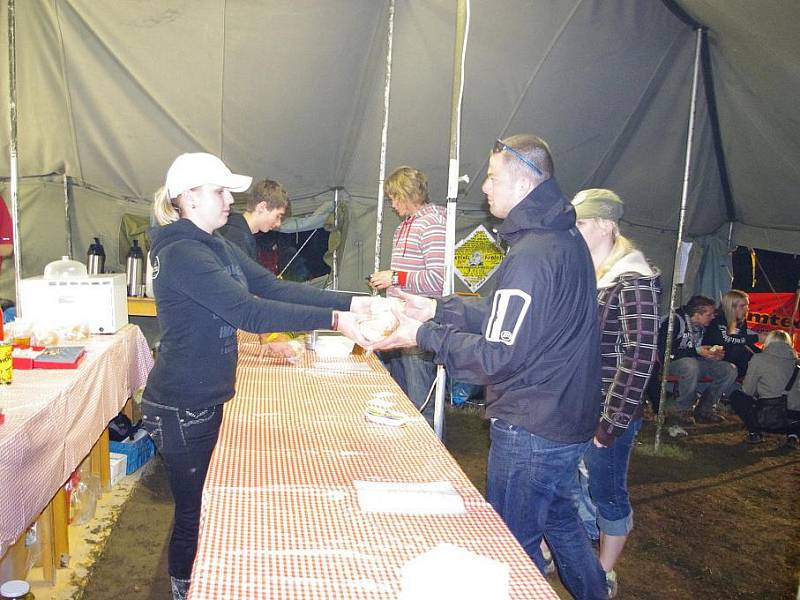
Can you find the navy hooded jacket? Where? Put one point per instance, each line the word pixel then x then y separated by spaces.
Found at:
pixel 535 342
pixel 206 288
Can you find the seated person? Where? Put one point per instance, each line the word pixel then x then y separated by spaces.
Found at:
pixel 767 377
pixel 267 206
pixel 692 361
pixel 729 330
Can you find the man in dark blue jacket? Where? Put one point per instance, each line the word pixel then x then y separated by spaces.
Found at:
pixel 535 345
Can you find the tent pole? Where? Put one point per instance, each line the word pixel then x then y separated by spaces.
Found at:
pixel 335 257
pixel 387 88
pixel 68 218
pixel 462 30
pixel 676 270
pixel 12 105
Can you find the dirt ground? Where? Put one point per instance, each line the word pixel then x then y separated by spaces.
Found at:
pixel 715 518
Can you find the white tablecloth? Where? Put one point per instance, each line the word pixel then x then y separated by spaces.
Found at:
pixel 54 417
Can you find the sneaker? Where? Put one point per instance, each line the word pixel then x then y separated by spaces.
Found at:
pixel 755 438
pixel 549 563
pixel 792 441
pixel 708 418
pixel 611 583
pixel 549 567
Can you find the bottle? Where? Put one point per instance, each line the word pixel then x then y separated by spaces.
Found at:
pixel 135 269
pixel 17 589
pixel 96 258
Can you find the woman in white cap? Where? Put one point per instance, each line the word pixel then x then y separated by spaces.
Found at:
pixel 206 288
pixel 628 291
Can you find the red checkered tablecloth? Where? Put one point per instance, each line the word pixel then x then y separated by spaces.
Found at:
pixel 54 417
pixel 281 517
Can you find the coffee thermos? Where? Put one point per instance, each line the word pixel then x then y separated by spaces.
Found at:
pixel 135 269
pixel 96 258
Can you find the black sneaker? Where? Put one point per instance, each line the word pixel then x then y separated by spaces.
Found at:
pixel 792 441
pixel 755 438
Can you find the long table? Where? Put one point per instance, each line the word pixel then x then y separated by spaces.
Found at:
pixel 281 516
pixel 53 418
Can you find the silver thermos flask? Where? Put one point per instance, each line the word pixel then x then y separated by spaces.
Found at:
pixel 135 270
pixel 96 258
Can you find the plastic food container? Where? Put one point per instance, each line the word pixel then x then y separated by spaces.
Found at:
pixel 65 268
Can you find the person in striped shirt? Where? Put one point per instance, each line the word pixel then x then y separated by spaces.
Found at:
pixel 417 266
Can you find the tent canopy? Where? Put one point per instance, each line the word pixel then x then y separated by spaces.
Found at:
pixel 109 92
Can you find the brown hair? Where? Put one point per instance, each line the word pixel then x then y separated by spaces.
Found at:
pixel 271 192
pixel 408 183
pixel 533 148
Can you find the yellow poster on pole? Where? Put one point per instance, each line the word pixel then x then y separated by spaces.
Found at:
pixel 477 256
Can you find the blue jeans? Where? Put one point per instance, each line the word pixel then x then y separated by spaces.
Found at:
pixel 689 370
pixel 530 482
pixel 185 439
pixel 602 488
pixel 414 371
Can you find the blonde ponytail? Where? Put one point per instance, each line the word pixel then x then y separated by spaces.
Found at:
pixel 622 246
pixel 163 208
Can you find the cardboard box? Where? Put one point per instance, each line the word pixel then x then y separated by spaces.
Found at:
pixel 119 466
pixel 139 450
pixel 60 357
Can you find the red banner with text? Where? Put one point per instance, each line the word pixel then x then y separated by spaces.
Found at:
pixel 774 311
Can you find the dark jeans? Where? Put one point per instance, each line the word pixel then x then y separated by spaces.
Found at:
pixel 185 439
pixel 530 482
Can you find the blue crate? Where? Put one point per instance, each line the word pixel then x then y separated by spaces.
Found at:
pixel 139 450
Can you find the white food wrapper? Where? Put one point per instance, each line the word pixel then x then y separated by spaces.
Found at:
pixel 431 576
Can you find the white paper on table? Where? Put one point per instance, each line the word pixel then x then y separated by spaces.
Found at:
pixel 431 576
pixel 340 367
pixel 434 498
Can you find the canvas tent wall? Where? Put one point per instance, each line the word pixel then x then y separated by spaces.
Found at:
pixel 110 92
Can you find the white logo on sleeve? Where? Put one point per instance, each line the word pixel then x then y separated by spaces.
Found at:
pixel 508 312
pixel 156 267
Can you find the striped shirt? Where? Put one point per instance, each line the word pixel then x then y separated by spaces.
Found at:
pixel 418 251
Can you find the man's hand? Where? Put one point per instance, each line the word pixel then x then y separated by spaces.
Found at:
pixel 279 350
pixel 711 352
pixel 405 336
pixel 418 308
pixel 762 336
pixel 360 305
pixel 380 280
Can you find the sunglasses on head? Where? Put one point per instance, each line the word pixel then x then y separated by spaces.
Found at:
pixel 500 146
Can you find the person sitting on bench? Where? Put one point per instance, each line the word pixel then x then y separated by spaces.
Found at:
pixel 692 361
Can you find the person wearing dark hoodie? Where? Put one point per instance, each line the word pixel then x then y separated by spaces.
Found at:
pixel 535 344
pixel 729 330
pixel 767 376
pixel 691 360
pixel 205 289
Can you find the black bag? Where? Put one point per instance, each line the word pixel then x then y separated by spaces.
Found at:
pixel 120 428
pixel 772 413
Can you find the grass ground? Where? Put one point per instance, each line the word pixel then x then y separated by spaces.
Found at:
pixel 715 518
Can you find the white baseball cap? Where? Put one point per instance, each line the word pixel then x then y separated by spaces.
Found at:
pixel 199 168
